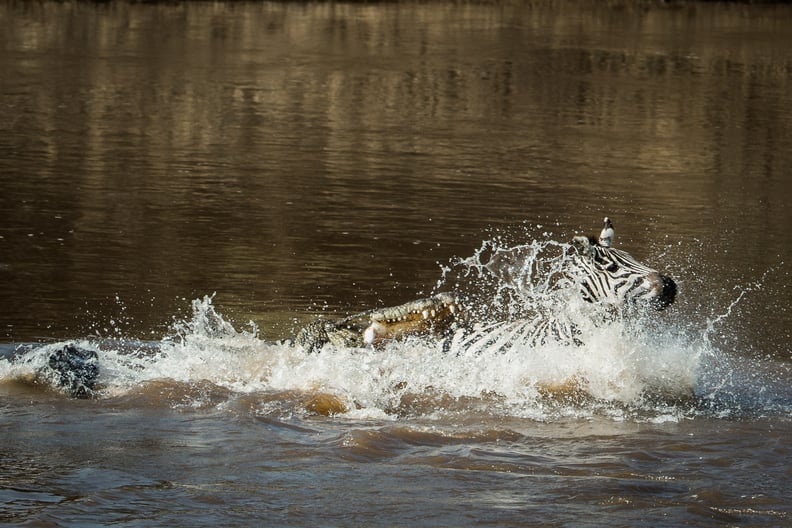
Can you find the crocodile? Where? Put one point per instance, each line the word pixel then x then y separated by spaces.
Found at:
pixel 604 274
pixel 436 315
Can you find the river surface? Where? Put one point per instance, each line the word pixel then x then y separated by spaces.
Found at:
pixel 182 184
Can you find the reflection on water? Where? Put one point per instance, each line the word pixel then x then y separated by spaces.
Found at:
pixel 300 157
pixel 292 155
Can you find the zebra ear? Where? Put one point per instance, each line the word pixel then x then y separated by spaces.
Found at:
pixel 584 245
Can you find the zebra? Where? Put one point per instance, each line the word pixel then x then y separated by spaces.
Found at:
pixel 598 272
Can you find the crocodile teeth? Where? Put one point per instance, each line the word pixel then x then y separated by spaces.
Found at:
pixel 425 314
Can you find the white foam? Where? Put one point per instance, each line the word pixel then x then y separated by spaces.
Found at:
pixel 617 362
pixel 626 362
pixel 614 364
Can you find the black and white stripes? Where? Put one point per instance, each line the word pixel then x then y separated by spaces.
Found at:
pixel 613 276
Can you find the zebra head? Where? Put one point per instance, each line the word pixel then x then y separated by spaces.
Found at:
pixel 611 275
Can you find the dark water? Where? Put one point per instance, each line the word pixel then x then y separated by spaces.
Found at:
pixel 303 159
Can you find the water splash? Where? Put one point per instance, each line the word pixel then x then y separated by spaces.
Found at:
pixel 628 364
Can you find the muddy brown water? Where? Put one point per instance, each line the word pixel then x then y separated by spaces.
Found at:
pixel 183 183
